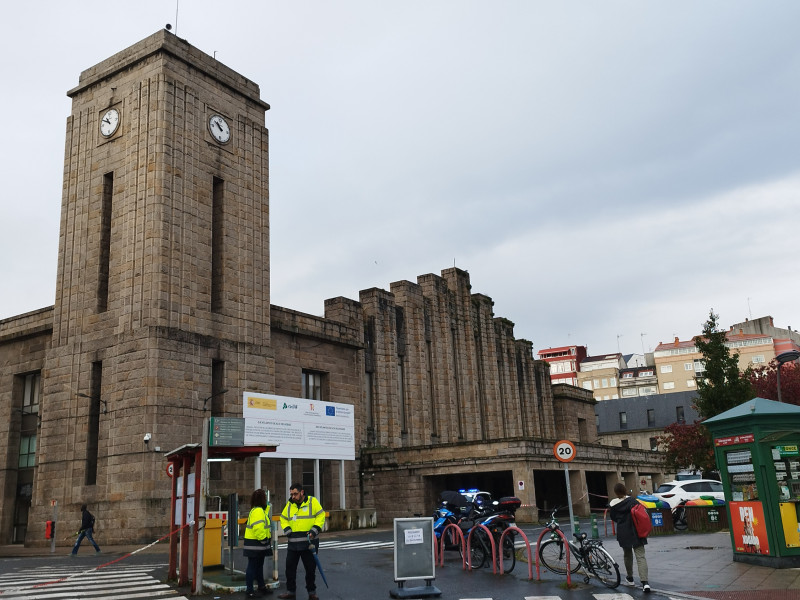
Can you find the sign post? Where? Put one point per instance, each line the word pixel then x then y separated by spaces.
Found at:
pixel 564 451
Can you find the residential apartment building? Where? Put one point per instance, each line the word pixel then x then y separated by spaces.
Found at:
pixel 564 363
pixel 638 381
pixel 678 364
pixel 600 375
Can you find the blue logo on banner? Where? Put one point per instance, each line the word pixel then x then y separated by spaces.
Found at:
pixel 330 411
pixel 657 518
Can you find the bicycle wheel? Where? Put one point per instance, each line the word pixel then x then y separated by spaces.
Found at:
pixel 451 542
pixel 508 554
pixel 553 554
pixel 603 566
pixel 478 552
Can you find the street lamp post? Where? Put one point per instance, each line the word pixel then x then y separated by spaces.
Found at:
pixel 784 357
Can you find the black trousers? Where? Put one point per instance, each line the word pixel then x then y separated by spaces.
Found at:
pixel 292 558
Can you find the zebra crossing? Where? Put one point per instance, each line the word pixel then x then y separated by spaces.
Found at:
pixel 71 582
pixel 343 545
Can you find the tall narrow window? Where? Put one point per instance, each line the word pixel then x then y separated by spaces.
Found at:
pixel 432 390
pixel 311 385
pixel 217 387
pixel 93 425
pixel 401 395
pixel 651 417
pixel 679 414
pixel 583 431
pixel 457 383
pixel 308 478
pixel 623 420
pixel 30 396
pixel 217 243
pixel 27 451
pixel 104 252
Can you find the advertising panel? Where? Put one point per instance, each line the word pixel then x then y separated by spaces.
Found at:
pixel 300 428
pixel 749 527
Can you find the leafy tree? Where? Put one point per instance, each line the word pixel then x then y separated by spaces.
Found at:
pixel 764 381
pixel 688 446
pixel 721 386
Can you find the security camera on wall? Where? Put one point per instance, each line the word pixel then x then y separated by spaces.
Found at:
pixel 147 437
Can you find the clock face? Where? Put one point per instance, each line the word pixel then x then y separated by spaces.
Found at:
pixel 219 129
pixel 109 123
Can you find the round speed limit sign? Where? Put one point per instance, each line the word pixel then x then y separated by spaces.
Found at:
pixel 564 451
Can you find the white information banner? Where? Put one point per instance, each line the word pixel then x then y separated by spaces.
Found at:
pixel 300 428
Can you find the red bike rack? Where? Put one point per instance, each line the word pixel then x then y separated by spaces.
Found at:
pixel 491 541
pixel 527 545
pixel 441 543
pixel 566 545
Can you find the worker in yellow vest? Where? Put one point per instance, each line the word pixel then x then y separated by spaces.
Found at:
pixel 302 521
pixel 256 544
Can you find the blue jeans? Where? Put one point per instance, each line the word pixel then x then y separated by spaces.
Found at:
pixel 86 533
pixel 255 571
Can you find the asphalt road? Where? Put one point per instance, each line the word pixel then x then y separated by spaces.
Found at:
pixel 359 565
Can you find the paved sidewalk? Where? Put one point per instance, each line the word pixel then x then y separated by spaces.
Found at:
pixel 701 565
pixel 687 565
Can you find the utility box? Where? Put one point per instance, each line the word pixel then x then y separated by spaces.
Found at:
pixel 757 450
pixel 212 543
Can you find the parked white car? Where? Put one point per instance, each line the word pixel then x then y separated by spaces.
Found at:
pixel 675 492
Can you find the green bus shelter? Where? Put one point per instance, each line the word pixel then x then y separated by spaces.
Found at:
pixel 756 446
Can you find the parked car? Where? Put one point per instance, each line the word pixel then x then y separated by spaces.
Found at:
pixel 675 492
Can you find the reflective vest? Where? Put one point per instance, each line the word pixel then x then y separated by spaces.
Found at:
pixel 257 525
pixel 297 521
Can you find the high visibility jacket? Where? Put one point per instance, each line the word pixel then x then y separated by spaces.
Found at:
pixel 257 529
pixel 297 521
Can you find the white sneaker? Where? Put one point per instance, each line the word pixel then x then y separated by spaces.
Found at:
pixel 646 588
pixel 629 582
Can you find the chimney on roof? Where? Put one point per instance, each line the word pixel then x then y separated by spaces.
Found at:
pixel 771 324
pixel 741 331
pixel 676 339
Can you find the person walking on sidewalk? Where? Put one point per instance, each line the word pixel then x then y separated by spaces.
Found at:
pixel 87 527
pixel 256 544
pixel 302 520
pixel 630 542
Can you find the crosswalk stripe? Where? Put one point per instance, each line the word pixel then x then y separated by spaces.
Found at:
pixel 614 596
pixel 111 584
pixel 542 598
pixel 138 592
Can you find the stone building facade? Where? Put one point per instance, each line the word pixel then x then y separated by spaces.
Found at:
pixel 162 318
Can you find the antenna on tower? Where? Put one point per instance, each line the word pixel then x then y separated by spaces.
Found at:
pixel 619 335
pixel 642 336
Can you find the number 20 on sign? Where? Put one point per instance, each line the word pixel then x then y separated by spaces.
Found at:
pixel 564 451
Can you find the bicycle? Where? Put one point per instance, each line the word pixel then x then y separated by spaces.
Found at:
pixel 588 554
pixel 481 548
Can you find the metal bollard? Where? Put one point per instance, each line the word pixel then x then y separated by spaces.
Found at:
pixel 595 532
pixel 576 524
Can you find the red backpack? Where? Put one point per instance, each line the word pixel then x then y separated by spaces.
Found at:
pixel 641 520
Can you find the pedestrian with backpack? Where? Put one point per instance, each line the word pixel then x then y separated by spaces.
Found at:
pixel 87 526
pixel 627 536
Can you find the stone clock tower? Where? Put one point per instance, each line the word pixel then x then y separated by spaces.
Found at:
pixel 162 296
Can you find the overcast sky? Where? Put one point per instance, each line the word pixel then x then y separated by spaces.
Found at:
pixel 603 170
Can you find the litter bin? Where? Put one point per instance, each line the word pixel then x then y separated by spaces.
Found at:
pixel 661 518
pixel 212 543
pixel 706 518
